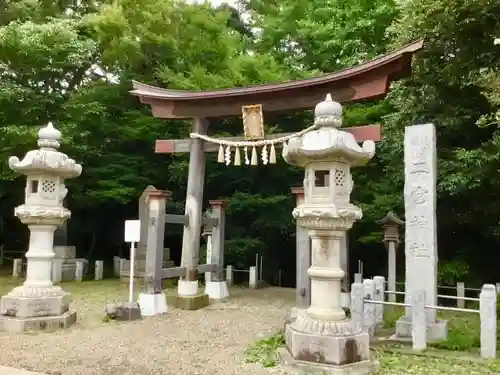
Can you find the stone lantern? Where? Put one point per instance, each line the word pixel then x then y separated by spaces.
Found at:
pixel 391 224
pixel 322 336
pixel 38 304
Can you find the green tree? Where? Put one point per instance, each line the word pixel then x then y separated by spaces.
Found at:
pixel 448 88
pixel 321 35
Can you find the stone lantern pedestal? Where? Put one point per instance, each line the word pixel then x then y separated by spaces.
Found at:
pixel 322 338
pixel 38 304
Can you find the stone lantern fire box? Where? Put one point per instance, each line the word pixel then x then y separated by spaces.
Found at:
pixel 322 338
pixel 38 304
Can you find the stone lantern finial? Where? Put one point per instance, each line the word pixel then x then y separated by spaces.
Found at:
pixel 328 113
pixel 49 137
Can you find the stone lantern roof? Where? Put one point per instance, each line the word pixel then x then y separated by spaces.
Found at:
pixel 47 159
pixel 391 220
pixel 328 143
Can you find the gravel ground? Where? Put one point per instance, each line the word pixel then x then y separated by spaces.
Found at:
pixel 207 341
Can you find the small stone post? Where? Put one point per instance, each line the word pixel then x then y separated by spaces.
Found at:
pixel 419 321
pixel 124 266
pixel 357 303
pixel 460 295
pixel 358 278
pixel 153 301
pixel 229 275
pixel 488 316
pixel 379 282
pixel 116 266
pixel 391 224
pixel 252 281
pixel 369 318
pixel 17 267
pixel 216 287
pixel 79 270
pixel 99 270
pixel 38 303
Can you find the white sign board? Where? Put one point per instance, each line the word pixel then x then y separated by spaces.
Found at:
pixel 132 230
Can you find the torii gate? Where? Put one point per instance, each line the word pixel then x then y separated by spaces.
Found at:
pixel 365 81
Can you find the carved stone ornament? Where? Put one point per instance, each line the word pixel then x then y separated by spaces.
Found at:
pixel 328 143
pixel 46 158
pixel 253 122
pixel 33 291
pixel 330 328
pixel 327 217
pixel 41 215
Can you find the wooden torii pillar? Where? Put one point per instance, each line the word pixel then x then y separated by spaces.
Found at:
pixel 366 81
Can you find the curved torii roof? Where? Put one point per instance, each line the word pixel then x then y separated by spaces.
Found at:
pixel 365 81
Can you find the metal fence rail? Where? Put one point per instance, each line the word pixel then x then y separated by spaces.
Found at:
pixel 372 293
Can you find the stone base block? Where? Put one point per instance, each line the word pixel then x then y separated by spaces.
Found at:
pixel 192 302
pixel 24 307
pixel 436 331
pixel 46 323
pixel 68 271
pixel 128 312
pixel 152 304
pixel 65 252
pixel 333 350
pixel 216 289
pixel 312 368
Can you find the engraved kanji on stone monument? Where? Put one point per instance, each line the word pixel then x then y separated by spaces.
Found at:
pixel 421 226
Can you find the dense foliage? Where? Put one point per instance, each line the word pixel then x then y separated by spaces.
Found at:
pixel 73 63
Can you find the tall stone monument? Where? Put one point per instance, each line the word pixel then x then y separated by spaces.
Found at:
pixel 421 252
pixel 38 304
pixel 322 338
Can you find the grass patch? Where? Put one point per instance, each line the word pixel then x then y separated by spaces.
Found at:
pixel 391 316
pixel 404 364
pixel 463 332
pixel 264 351
pixel 463 328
